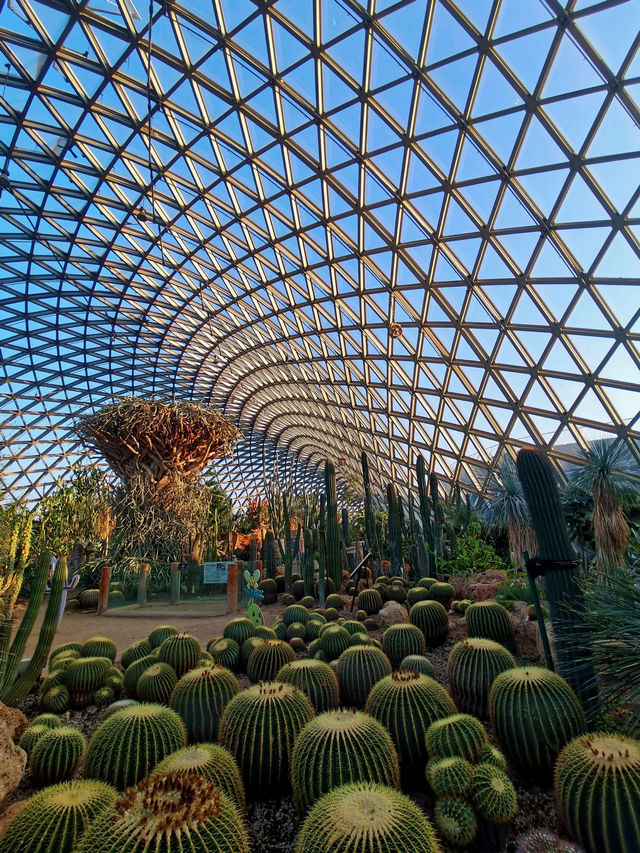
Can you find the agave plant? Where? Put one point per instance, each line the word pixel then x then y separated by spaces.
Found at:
pixel 608 473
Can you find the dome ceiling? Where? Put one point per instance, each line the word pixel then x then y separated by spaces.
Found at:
pixel 406 226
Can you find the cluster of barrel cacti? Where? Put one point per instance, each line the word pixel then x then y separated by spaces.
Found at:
pixel 80 675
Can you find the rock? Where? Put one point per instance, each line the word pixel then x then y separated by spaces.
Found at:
pixel 13 720
pixel 393 613
pixel 459 584
pixel 13 760
pixel 10 813
pixel 484 585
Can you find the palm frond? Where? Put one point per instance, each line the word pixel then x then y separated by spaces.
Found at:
pixel 505 503
pixel 608 465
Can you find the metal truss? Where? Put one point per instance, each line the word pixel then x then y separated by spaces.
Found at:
pixel 403 227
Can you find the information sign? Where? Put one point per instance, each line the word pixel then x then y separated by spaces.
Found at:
pixel 214 572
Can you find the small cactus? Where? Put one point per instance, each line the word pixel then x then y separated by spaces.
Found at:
pixel 418 663
pixel 432 619
pixel 540 840
pixel 449 777
pixel 354 627
pixel 247 647
pixel 133 672
pixel 295 613
pixel 239 629
pixel 89 599
pixel 334 640
pixel 156 683
pixel 160 634
pixel 472 667
pixel 209 760
pixel 493 794
pixel 135 651
pixel 52 721
pixel 370 601
pixel 99 647
pixel 56 700
pixel 181 651
pixel 417 593
pixel 456 821
pixel 459 735
pixel 31 735
pixel 316 679
pixel 56 755
pixel 86 674
pixel 359 668
pixel 200 697
pixel 443 593
pixel 267 660
pixel 401 640
pixel 491 755
pixel 225 652
pixel 265 633
pixel 490 620
pixel 296 630
pixel 71 646
pixel 335 601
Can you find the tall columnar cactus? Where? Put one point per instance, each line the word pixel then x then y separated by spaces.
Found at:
pixel 316 680
pixel 55 820
pixel 371 530
pixel 395 531
pixel 129 743
pixel 406 703
pixel 472 667
pixel 597 788
pixel 308 560
pixel 290 553
pixel 433 620
pixel 267 660
pixel 333 529
pixel 346 536
pixel 56 755
pixel 211 761
pixel 339 747
pixel 323 580
pixel 259 727
pixel 562 578
pixel 490 620
pixel 200 697
pixel 253 555
pixel 425 517
pixel 269 554
pixel 366 817
pixel 459 735
pixel 438 519
pixel 181 651
pixel 174 813
pixel 534 713
pixel 401 640
pixel 359 668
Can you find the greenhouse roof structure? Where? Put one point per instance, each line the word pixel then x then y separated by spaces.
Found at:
pixel 403 226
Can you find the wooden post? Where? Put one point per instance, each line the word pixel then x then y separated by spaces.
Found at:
pixel 142 583
pixel 232 588
pixel 174 585
pixel 258 566
pixel 103 596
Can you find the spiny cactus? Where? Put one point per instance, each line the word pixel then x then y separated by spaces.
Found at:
pixel 366 817
pixel 456 821
pixel 354 627
pixel 541 840
pixel 129 743
pixel 56 755
pixel 270 589
pixel 265 633
pixel 432 619
pixel 370 601
pixel 359 668
pixel 258 727
pixel 418 663
pixel 55 677
pixel 334 640
pixel 534 713
pixel 297 630
pixel 118 705
pixel 135 651
pixel 211 761
pixel 200 697
pixel 490 620
pixel 331 614
pixel 52 721
pixel 31 735
pixel 442 592
pixel 55 819
pixel 181 651
pixel 247 647
pixel 493 794
pixel 335 601
pixel 492 755
pixel 295 613
pixel 173 813
pixel 339 747
pixel 99 647
pixel 160 634
pixel 397 592
pixel 472 667
pixel 267 660
pixel 406 703
pixel 225 652
pixel 316 679
pixel 156 683
pixel 103 696
pixel 89 599
pixel 62 649
pixel 401 640
pixel 417 593
pixel 86 674
pixel 56 700
pixel 133 672
pixel 459 735
pixel 597 788
pixel 449 777
pixel 239 629
pixel 313 629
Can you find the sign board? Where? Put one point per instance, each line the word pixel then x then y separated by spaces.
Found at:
pixel 214 572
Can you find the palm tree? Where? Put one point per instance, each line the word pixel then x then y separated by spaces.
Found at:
pixel 608 473
pixel 505 507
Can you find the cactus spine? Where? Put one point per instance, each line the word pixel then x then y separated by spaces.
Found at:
pixel 160 634
pixel 401 640
pixel 359 668
pixel 181 651
pixel 200 697
pixel 472 667
pixel 456 821
pixel 449 777
pixel 432 619
pixel 211 761
pixel 460 735
pixel 489 620
pixel 316 679
pixel 156 683
pixel 267 660
pixel 56 755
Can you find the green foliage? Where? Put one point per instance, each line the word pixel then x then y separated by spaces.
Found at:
pixel 212 762
pixel 200 697
pixel 489 620
pixel 451 776
pixel 266 660
pixel 56 755
pixel 432 620
pixel 471 554
pixel 339 747
pixel 316 679
pixel 156 683
pixel 359 668
pixel 401 640
pixel 460 735
pixel 181 651
pixel 456 821
pixel 472 667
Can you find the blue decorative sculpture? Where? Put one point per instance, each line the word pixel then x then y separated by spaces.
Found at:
pixel 255 596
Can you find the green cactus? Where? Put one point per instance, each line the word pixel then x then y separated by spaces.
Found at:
pixel 280 630
pixel 270 589
pixel 225 652
pixel 401 640
pixel 493 794
pixel 366 817
pixel 31 735
pixel 135 651
pixel 334 567
pixel 370 601
pixel 417 593
pixel 316 680
pixel 265 633
pixel 489 620
pixel 449 777
pixel 472 667
pixel 313 630
pixel 249 645
pixel 86 674
pixel 156 683
pixel 56 755
pixel 432 620
pixel 173 813
pixel 133 672
pixel 55 677
pixel 181 651
pixel 359 668
pixel 160 634
pixel 534 713
pixel 269 554
pixel 339 747
pixel 334 640
pixel 354 627
pixel 427 583
pixel 442 592
pixel 597 790
pixel 56 700
pixel 55 819
pixel 118 705
pixel 371 530
pixel 130 742
pixel 103 696
pixel 541 840
pixel 295 613
pixel 331 614
pixel 395 530
pixel 456 821
pixel 99 647
pixel 89 599
pixel 438 518
pixel 297 588
pixel 200 697
pixel 492 755
pixel 425 515
pixel 239 629
pixel 418 663
pixel 212 762
pixel 267 660
pixel 406 703
pixel 52 721
pixel 63 649
pixel 296 631
pixel 459 735
pixel 334 601
pixel 259 727
pixel 397 592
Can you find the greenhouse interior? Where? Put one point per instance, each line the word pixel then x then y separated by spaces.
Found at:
pixel 319 426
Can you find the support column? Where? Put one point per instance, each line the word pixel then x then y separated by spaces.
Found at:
pixel 103 595
pixel 232 588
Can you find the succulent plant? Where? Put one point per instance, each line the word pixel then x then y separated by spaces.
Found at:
pixel 103 696
pixel 247 647
pixel 296 630
pixel 397 592
pixel 99 647
pixel 62 661
pixel 472 667
pixel 313 629
pixel 56 755
pixel 597 788
pixel 287 598
pixel 459 735
pixel 89 599
pixel 417 593
pixel 541 840
pixel 56 700
pixel 297 589
pixel 335 601
pixel 370 601
pixel 52 721
pixel 266 660
pixel 366 817
pixel 426 583
pixel 63 648
pixel 406 703
pixel 200 697
pixel 493 794
pixel 55 819
pixel 359 668
pixel 86 674
pixel 354 627
pixel 456 821
pixel 308 601
pixel 442 592
pixel 53 678
pixel 130 742
pixel 31 735
pixel 160 634
pixel 432 619
pixel 181 652
pixel 133 672
pixel 316 679
pixel 490 620
pixel 135 651
pixel 211 761
pixel 401 640
pixel 239 629
pixel 280 630
pixel 270 590
pixel 449 777
pixel 418 663
pixel 534 713
pixel 492 755
pixel 172 813
pixel 295 613
pixel 339 747
pixel 156 683
pixel 265 633
pixel 334 640
pixel 225 652
pixel 118 705
pixel 331 614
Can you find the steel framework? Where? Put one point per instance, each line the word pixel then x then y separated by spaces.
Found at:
pixel 407 226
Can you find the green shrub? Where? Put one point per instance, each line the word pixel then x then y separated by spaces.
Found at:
pixel 181 651
pixel 401 640
pixel 472 667
pixel 156 683
pixel 56 755
pixel 209 760
pixel 359 668
pixel 200 697
pixel 316 679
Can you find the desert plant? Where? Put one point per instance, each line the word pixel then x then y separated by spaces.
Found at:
pixel 472 667
pixel 71 646
pixel 56 700
pixel 99 647
pixel 133 672
pixel 493 794
pixel 156 683
pixel 31 735
pixel 52 721
pixel 135 651
pixel 267 660
pixel 200 697
pixel 443 593
pixel 334 640
pixel 359 668
pixel 295 613
pixel 239 629
pixel 56 755
pixel 492 755
pixel 451 776
pixel 456 821
pixel 459 735
pixel 489 620
pixel 86 674
pixel 212 762
pixel 160 634
pixel 248 646
pixel 316 679
pixel 89 599
pixel 225 652
pixel 418 663
pixel 432 619
pixel 401 640
pixel 180 651
pixel 370 601
pixel 541 840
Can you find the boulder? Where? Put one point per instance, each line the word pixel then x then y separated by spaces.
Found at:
pixel 393 613
pixel 484 585
pixel 13 760
pixel 13 721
